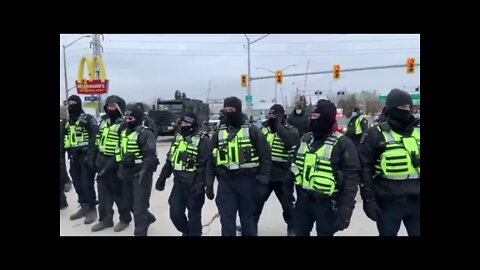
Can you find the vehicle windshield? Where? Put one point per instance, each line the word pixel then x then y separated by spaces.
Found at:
pixel 174 108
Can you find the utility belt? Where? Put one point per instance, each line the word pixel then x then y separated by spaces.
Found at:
pixel 186 178
pixel 314 195
pixel 77 151
pixel 225 173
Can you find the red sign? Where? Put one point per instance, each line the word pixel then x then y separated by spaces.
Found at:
pixel 92 87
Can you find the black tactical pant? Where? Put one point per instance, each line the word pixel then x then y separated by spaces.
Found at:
pixel 310 210
pixel 83 178
pixel 237 193
pixel 180 199
pixel 396 211
pixel 137 198
pixel 110 189
pixel 284 192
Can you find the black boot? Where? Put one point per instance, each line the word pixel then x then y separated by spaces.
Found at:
pixel 102 225
pixel 63 205
pixel 91 215
pixel 82 212
pixel 120 226
pixel 151 219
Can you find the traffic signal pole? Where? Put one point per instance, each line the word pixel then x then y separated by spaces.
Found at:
pixel 328 71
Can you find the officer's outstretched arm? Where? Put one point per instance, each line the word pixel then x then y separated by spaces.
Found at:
pixel 350 170
pixel 203 157
pixel 148 146
pixel 263 150
pixel 368 152
pixel 167 168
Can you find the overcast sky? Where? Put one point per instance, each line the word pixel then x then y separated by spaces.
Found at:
pixel 144 67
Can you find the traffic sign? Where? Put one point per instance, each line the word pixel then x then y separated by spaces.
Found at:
pixel 93 105
pixel 248 99
pixel 91 98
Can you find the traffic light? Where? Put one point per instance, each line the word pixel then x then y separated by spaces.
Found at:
pixel 336 72
pixel 411 65
pixel 279 76
pixel 244 80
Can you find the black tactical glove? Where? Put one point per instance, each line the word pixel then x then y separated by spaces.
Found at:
pixel 140 175
pixel 160 184
pixel 262 191
pixel 197 189
pixel 372 210
pixel 343 218
pixel 209 191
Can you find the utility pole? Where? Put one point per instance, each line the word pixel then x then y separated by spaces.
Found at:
pixel 97 48
pixel 249 86
pixel 306 75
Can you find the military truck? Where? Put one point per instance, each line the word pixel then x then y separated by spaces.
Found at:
pixel 167 113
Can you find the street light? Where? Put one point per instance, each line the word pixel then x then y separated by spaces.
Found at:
pixel 65 64
pixel 274 78
pixel 249 88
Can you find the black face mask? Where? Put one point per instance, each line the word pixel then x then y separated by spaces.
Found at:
pixel 74 110
pixel 320 127
pixel 113 114
pixel 403 117
pixel 234 118
pixel 271 123
pixel 186 131
pixel 131 125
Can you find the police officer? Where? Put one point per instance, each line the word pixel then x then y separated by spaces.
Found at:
pixel 187 159
pixel 357 125
pixel 79 141
pixel 242 161
pixel 138 162
pixel 390 156
pixel 283 140
pixel 147 121
pixel 65 182
pixel 108 184
pixel 327 175
pixel 299 120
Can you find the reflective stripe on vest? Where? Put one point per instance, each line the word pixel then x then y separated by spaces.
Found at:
pixel 130 145
pixel 108 139
pixel 77 135
pixel 395 163
pixel 313 171
pixel 184 154
pixel 238 153
pixel 279 153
